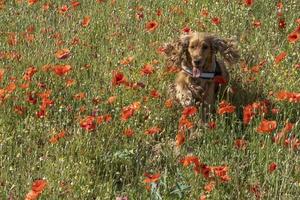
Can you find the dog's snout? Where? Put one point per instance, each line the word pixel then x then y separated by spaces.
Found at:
pixel 197 62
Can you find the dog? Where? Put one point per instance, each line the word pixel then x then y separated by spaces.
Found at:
pixel 201 72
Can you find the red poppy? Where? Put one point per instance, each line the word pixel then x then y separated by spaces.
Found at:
pixel 61 70
pixel 29 73
pixel 118 78
pixel 266 126
pixel 180 138
pixel 86 21
pixel 189 111
pixel 288 96
pixel 37 188
pixel 80 96
pixel 248 114
pixel 293 37
pixel 151 26
pixel 280 136
pixel 127 112
pixel 204 13
pixel 188 160
pixel 240 144
pixel 256 23
pixel 169 103
pixel 62 53
pixel 221 172
pixel 147 70
pixel 153 130
pixel 210 186
pixel 63 9
pixel 12 39
pixel 225 107
pixel 155 94
pixel 293 143
pixel 151 178
pixel 75 4
pixel 212 125
pixel 54 139
pixel 272 167
pixel 127 61
pixel 128 132
pixel 111 99
pixel 1 74
pixel 255 189
pixel 280 57
pixel 31 2
pixel 216 20
pixel 248 2
pixel 186 29
pixel 88 123
pixel 281 23
pixel 185 123
pixel 219 80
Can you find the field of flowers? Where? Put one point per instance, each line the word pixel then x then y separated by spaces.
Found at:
pixel 84 110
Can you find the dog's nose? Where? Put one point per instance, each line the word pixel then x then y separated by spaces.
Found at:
pixel 197 62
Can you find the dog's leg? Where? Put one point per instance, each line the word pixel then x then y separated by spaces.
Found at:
pixel 184 95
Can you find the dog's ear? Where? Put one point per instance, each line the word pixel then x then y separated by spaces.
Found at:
pixel 227 48
pixel 184 40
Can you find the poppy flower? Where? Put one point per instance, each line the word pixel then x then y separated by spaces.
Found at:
pixel 281 23
pixel 153 130
pixel 62 53
pixel 189 111
pixel 272 167
pixel 248 114
pixel 216 20
pixel 29 73
pixel 75 4
pixel 256 23
pixel 186 29
pixel 169 103
pixel 240 144
pixel 151 26
pixel 61 70
pixel 54 139
pixel 127 61
pixel 188 160
pixel 118 78
pixel 266 126
pixel 31 2
pixel 221 172
pixel 63 9
pixel 151 178
pixel 280 136
pixel 225 107
pixel 86 21
pixel 127 112
pixel 180 138
pixel 80 96
pixel 128 132
pixel 219 80
pixel 185 123
pixel 248 2
pixel 210 186
pixel 1 74
pixel 204 13
pixel 12 39
pixel 88 123
pixel 203 197
pixel 280 57
pixel 288 96
pixel 154 93
pixel 293 143
pixel 20 109
pixel 111 99
pixel 37 188
pixel 255 189
pixel 147 70
pixel 293 37
pixel 212 125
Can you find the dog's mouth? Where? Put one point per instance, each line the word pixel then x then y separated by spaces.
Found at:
pixel 196 72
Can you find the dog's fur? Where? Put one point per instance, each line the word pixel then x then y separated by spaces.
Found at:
pixel 196 51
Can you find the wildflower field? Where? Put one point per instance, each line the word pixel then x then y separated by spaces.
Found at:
pixel 84 110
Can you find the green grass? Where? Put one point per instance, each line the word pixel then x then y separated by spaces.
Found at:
pixel 104 164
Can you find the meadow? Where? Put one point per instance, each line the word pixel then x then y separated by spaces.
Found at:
pixel 84 110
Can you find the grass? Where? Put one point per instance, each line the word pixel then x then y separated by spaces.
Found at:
pixel 105 164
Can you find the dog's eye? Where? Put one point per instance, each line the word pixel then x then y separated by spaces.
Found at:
pixel 193 47
pixel 204 47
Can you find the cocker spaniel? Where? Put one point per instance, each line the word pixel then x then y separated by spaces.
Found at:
pixel 201 72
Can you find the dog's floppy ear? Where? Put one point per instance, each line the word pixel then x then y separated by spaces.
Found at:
pixel 176 50
pixel 227 48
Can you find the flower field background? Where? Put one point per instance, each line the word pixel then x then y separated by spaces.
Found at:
pixel 85 112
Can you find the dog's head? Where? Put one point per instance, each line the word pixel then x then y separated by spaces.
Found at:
pixel 197 51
